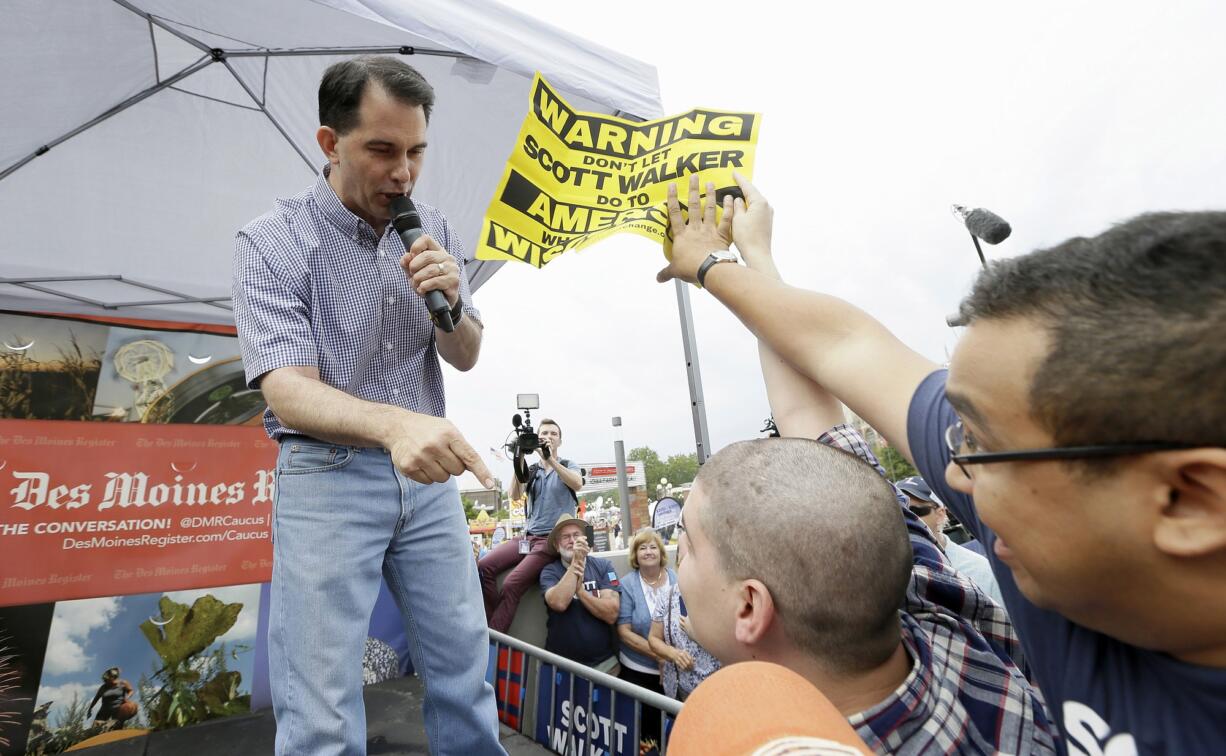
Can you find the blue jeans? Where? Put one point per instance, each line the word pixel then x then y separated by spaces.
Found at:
pixel 343 515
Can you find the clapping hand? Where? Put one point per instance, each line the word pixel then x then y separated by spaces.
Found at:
pixel 578 562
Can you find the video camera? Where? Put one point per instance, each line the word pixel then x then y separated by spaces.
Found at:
pixel 526 440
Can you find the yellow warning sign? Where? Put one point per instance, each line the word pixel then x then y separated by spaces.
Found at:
pixel 577 177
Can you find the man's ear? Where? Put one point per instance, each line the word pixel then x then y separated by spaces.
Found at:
pixel 756 613
pixel 1193 521
pixel 327 138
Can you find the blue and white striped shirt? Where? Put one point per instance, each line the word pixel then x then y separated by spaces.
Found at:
pixel 314 287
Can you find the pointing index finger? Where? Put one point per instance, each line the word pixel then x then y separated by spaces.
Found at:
pixel 472 461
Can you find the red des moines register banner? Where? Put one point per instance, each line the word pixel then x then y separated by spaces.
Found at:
pixel 104 509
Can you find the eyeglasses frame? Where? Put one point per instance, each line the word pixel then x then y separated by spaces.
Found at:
pixel 1091 451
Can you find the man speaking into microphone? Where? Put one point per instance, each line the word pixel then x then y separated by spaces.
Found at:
pixel 335 330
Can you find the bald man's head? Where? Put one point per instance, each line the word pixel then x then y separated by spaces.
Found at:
pixel 823 531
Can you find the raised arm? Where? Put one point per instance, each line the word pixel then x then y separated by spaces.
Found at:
pixel 571 478
pixel 801 408
pixel 432 268
pixel 517 488
pixel 559 595
pixel 827 340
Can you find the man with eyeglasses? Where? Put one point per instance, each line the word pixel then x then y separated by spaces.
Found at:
pixel 1083 410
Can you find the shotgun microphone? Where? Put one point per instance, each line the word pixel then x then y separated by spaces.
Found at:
pixel 983 224
pixel 407 223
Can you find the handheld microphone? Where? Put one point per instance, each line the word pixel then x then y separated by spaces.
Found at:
pixel 983 224
pixel 407 223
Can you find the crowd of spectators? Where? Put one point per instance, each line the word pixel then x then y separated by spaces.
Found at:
pixel 1069 435
pixel 1076 432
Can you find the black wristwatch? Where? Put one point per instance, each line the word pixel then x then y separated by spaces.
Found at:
pixel 457 312
pixel 718 256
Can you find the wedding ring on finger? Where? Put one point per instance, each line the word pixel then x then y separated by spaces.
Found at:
pixel 442 269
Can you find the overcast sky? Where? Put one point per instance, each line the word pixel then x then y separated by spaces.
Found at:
pixel 1062 117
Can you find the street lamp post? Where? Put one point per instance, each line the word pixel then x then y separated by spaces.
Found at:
pixel 623 488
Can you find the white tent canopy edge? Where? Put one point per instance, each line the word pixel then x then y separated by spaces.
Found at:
pixel 196 115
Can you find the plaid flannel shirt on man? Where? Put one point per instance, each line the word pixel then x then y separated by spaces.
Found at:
pixel 966 692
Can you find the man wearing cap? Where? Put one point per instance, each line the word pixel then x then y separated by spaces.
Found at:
pixel 583 599
pixel 926 506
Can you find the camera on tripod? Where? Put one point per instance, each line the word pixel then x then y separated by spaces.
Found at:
pixel 526 440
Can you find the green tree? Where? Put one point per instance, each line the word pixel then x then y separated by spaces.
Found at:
pixel 896 465
pixel 681 468
pixel 655 468
pixel 470 507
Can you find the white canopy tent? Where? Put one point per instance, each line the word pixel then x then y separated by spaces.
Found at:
pixel 139 135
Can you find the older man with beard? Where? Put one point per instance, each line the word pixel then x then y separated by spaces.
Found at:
pixel 582 594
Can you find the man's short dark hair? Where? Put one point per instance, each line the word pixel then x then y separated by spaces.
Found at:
pixel 548 421
pixel 1137 323
pixel 340 90
pixel 824 532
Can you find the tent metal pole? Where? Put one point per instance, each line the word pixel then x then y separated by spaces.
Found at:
pixel 74 297
pixel 221 54
pixel 276 124
pixel 702 439
pixel 182 298
pixel 159 302
pixel 163 25
pixel 213 301
pixel 308 51
pixel 51 279
pixel 202 63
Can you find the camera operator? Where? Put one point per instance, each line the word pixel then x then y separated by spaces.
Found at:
pixel 551 484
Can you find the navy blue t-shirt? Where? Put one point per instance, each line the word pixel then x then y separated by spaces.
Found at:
pixel 576 633
pixel 1108 697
